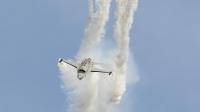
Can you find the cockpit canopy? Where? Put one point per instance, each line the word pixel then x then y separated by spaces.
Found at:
pixel 81 71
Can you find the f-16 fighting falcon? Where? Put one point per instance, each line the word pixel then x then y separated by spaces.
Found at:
pixel 84 67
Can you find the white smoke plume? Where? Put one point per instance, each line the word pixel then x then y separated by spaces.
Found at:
pixel 96 92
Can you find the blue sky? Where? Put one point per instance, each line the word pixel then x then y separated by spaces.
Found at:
pixel 164 41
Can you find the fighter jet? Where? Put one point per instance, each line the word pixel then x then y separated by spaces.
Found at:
pixel 85 67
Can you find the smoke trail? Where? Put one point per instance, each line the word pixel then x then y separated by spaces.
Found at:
pixel 97 91
pixel 95 28
pixel 124 14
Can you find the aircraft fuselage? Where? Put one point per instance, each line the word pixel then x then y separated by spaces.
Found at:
pixel 84 68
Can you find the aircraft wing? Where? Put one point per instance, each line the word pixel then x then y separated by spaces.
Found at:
pixel 70 63
pixel 94 69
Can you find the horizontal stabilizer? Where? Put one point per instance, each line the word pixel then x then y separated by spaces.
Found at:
pixel 94 63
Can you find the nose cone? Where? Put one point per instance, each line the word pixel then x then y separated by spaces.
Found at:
pixel 80 75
